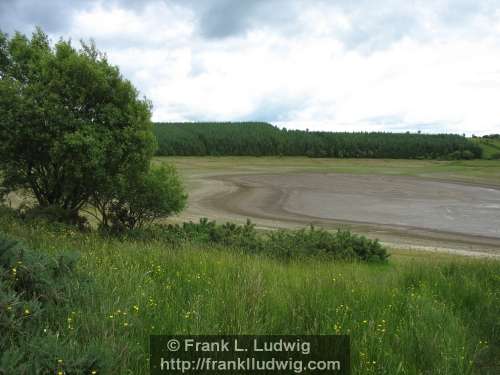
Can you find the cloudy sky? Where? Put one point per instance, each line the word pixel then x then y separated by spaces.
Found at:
pixel 392 65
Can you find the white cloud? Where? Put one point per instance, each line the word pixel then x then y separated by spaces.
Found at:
pixel 324 69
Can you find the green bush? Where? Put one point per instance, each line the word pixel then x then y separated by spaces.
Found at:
pixel 228 234
pixel 282 244
pixel 203 232
pixel 32 287
pixel 467 155
pixel 341 245
pixel 462 154
pixel 31 274
pixel 142 200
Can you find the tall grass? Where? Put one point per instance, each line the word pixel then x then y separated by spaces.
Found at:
pixel 414 315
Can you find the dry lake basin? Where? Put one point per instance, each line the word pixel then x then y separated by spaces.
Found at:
pixel 403 211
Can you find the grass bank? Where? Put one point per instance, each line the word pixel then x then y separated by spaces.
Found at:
pixel 416 314
pixel 490 147
pixel 476 171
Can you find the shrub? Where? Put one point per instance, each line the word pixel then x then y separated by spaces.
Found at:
pixel 31 284
pixel 281 244
pixel 142 200
pixel 467 155
pixel 31 274
pixel 52 354
pixel 455 155
pixel 342 245
pixel 463 154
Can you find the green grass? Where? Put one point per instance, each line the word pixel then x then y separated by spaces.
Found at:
pixel 419 314
pixel 479 171
pixel 490 146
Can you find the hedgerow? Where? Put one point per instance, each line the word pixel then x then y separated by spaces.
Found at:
pixel 281 244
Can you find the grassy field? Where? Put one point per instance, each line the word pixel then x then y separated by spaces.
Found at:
pixel 418 314
pixel 478 171
pixel 491 147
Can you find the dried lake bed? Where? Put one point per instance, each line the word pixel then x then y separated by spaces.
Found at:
pixel 403 211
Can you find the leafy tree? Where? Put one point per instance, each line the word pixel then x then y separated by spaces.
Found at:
pixel 157 194
pixel 70 124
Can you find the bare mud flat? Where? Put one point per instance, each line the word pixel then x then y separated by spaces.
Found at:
pixel 408 211
pixel 389 200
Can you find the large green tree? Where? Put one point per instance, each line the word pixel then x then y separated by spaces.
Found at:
pixel 70 124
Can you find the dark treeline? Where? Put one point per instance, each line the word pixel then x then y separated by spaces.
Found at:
pixel 262 139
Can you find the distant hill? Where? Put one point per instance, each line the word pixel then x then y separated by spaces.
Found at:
pixel 490 146
pixel 263 139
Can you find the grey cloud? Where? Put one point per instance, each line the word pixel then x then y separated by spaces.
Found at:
pixel 228 18
pixel 375 25
pixel 270 109
pixel 216 19
pixel 54 16
pixel 276 109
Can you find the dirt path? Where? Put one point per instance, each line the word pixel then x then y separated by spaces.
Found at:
pixel 406 212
